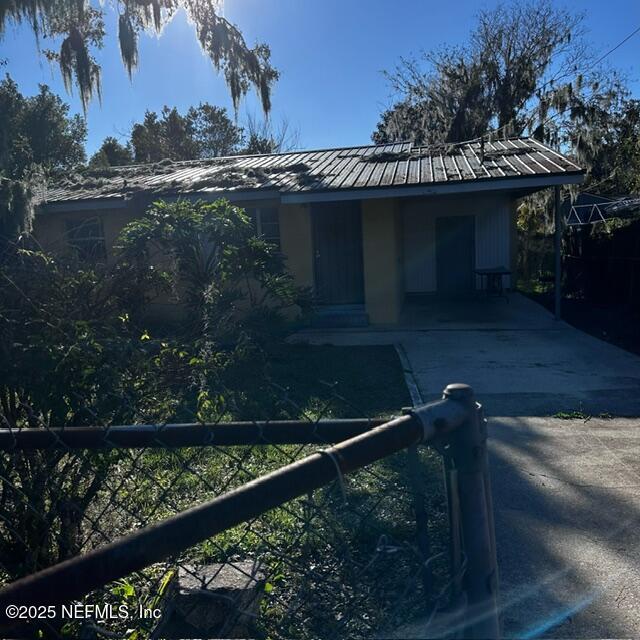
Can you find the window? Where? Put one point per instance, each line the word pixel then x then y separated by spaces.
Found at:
pixel 86 238
pixel 266 224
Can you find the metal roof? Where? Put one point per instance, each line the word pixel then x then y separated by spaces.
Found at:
pixel 323 171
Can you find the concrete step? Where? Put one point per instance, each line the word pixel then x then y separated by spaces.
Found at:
pixel 340 316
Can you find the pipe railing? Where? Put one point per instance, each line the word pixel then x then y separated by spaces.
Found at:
pixel 453 424
pixel 186 435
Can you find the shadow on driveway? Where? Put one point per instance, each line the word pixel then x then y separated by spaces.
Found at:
pixel 567 512
pixel 566 492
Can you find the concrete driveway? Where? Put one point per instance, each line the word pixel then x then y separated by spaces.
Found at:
pixel 567 512
pixel 518 359
pixel 528 372
pixel 566 492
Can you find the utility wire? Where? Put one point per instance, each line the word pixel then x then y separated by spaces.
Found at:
pixel 591 66
pixel 599 60
pixel 584 70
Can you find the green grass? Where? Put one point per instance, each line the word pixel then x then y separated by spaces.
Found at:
pixel 362 381
pixel 338 565
pixel 581 415
pixel 535 287
pixel 334 537
pixel 572 415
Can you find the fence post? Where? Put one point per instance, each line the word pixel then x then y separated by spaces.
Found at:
pixel 456 593
pixel 420 514
pixel 468 453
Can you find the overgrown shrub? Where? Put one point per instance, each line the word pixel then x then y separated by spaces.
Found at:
pixel 75 350
pixel 234 286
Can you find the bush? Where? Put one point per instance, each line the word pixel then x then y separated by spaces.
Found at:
pixel 74 351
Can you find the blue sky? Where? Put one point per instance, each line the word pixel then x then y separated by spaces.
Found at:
pixel 330 54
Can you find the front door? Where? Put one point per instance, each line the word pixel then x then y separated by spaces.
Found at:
pixel 337 240
pixel 455 254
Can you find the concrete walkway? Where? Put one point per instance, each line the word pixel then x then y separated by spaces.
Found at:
pixel 566 492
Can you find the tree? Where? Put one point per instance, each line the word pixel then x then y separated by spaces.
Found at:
pixel 214 132
pixel 169 135
pixel 615 159
pixel 81 26
pixel 235 288
pixel 38 138
pixel 519 75
pixel 263 137
pixel 111 154
pixel 67 356
pixel 204 131
pixel 38 130
pixel 212 259
pixel 148 139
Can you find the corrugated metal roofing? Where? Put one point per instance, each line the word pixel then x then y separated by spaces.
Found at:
pixel 299 172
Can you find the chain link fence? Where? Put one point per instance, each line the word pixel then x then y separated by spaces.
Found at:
pixel 313 528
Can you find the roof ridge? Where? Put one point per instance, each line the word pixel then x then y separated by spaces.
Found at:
pixel 250 155
pixel 196 161
pixel 298 151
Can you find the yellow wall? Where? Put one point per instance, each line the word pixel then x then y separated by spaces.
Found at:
pixel 295 235
pixel 382 257
pixel 297 243
pixel 51 228
pixel 383 241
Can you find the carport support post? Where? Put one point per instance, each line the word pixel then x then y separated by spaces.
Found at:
pixel 468 451
pixel 557 252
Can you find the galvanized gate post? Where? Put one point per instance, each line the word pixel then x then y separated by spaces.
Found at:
pixel 420 513
pixel 456 592
pixel 468 455
pixel 461 437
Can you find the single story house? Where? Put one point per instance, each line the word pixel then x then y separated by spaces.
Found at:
pixel 366 228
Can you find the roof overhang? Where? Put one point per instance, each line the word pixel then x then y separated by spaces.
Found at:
pixel 123 202
pixel 82 205
pixel 532 183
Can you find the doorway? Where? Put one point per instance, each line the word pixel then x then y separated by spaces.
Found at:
pixel 337 245
pixel 455 254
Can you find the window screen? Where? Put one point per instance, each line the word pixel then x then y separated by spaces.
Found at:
pixel 266 224
pixel 86 237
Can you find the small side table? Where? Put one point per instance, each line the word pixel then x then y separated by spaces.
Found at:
pixel 492 280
